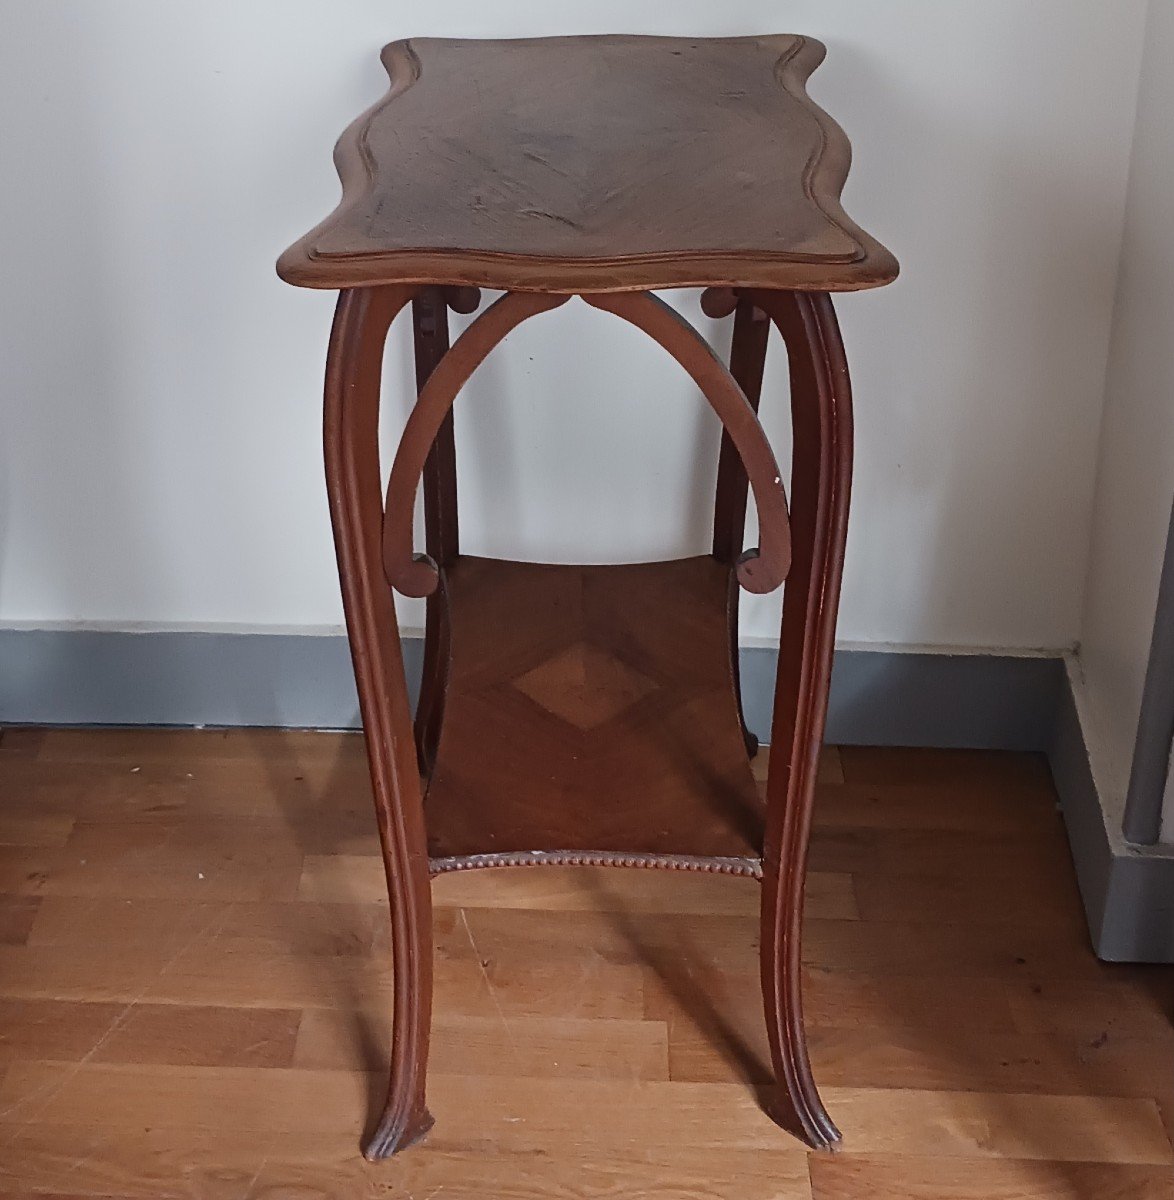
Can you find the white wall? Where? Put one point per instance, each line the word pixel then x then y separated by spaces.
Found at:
pixel 160 453
pixel 1135 480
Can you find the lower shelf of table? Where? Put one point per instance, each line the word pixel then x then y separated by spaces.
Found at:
pixel 591 716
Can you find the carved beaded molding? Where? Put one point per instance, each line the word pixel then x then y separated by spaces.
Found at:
pixel 750 868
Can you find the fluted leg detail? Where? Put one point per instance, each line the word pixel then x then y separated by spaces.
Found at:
pixel 820 483
pixel 356 507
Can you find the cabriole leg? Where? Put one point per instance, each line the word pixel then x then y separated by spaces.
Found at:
pixel 821 411
pixel 356 507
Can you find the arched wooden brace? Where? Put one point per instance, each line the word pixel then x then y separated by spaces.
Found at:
pixel 416 574
pixel 821 414
pixel 350 436
pixel 760 570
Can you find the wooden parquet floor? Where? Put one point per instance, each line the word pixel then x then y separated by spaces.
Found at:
pixel 194 995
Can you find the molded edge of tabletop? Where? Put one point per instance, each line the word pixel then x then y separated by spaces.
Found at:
pixel 875 266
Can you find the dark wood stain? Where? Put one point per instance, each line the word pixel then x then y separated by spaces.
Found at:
pixel 594 164
pixel 616 673
pixel 590 714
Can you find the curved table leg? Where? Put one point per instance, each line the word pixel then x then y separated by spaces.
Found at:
pixel 352 477
pixel 821 410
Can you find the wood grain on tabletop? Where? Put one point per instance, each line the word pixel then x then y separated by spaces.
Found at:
pixel 594 164
pixel 194 987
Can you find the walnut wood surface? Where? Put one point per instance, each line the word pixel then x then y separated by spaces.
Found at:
pixel 591 709
pixel 593 164
pixel 591 655
pixel 589 715
pixel 821 475
pixel 351 450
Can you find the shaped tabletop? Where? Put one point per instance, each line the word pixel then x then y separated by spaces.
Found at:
pixel 579 164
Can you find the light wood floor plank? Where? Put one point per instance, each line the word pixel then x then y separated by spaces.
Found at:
pixel 1005 856
pixel 896 765
pixel 212 974
pixel 988 1124
pixel 954 805
pixel 503 1044
pixel 131 925
pixel 1126 1001
pixel 525 1114
pixel 113 1032
pixel 177 1164
pixel 687 1173
pixel 950 899
pixel 513 1114
pixel 854 1177
pixel 949 1056
pixel 596 1034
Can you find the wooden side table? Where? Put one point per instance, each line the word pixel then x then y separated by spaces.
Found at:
pixel 574 714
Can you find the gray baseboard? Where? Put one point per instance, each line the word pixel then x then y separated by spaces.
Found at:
pixel 1128 890
pixel 96 677
pixel 895 697
pixel 101 677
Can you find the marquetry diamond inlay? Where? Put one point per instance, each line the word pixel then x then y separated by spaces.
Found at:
pixel 584 685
